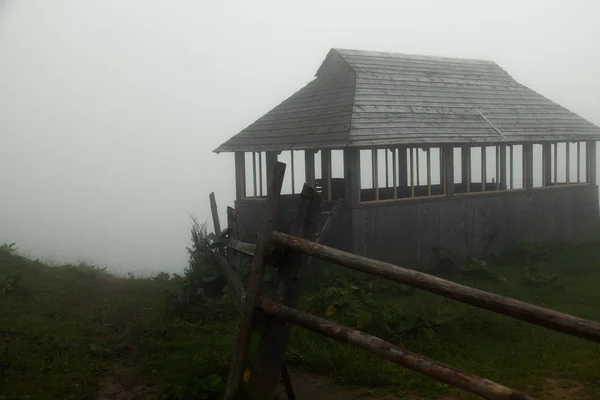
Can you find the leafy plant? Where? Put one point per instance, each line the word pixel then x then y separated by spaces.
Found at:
pixel 537 275
pixel 8 249
pixel 10 283
pixel 477 268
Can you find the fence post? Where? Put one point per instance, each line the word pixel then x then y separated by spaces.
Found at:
pixel 266 370
pixel 257 271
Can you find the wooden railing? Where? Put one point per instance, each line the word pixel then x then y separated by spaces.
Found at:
pixel 273 318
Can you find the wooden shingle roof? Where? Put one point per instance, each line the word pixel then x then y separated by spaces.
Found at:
pixel 363 99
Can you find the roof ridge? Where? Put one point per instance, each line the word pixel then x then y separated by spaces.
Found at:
pixel 341 52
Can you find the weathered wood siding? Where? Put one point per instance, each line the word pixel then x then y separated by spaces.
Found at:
pixel 416 232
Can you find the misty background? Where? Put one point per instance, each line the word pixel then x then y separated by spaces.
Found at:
pixel 109 111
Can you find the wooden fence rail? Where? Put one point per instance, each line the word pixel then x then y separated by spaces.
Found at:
pixel 281 312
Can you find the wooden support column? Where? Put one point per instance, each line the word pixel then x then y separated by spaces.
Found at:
pixel 257 272
pixel 483 167
pixel 503 181
pixel 528 166
pixel 267 366
pixel 240 176
pixel 352 175
pixel 402 168
pixel 326 173
pixel 465 164
pixel 309 167
pixel 568 162
pixel 546 164
pixel 448 175
pixel 375 169
pixel 271 160
pixel 590 148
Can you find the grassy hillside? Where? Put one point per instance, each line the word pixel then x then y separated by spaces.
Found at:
pixel 75 332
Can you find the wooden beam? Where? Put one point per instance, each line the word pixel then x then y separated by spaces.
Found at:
pixel 414 361
pixel 240 175
pixel 512 168
pixel 449 170
pixel 375 168
pixel 292 170
pixel 498 167
pixel 464 164
pixel 590 148
pixel 326 173
pixel 267 366
pixel 483 168
pixel 387 172
pixel 412 173
pixel 418 180
pixel 260 173
pixel 502 305
pixel 578 162
pixel 468 164
pixel 309 167
pixel 270 161
pixel 257 271
pixel 254 176
pixel 528 166
pixel 395 172
pixel 503 172
pixel 352 176
pixel 232 257
pixel 428 171
pixel 546 164
pixel 568 162
pixel 402 167
pixel 556 163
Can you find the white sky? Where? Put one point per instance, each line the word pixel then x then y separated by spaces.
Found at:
pixel 110 110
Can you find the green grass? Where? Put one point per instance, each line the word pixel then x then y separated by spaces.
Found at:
pixel 68 331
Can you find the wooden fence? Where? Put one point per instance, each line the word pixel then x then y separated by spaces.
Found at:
pixel 273 318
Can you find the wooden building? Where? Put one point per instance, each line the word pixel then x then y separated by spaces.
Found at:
pixel 428 154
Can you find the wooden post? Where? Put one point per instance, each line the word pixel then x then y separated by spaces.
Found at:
pixel 568 161
pixel 352 175
pixel 512 167
pixel 465 155
pixel 240 176
pixel 590 147
pixel 309 167
pixel 546 164
pixel 502 305
pixel 578 162
pixel 428 171
pixel 326 173
pixel 483 168
pixel 387 172
pixel 257 271
pixel 555 163
pixel 375 169
pixel 503 181
pixel 449 170
pixel 412 173
pixel 402 168
pixel 292 171
pixel 468 167
pixel 416 362
pixel 395 172
pixel 265 375
pixel 498 167
pixel 528 166
pixel 232 257
pixel 271 160
pixel 260 173
pixel 254 176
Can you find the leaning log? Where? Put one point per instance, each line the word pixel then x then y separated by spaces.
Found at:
pixel 257 271
pixel 442 372
pixel 503 305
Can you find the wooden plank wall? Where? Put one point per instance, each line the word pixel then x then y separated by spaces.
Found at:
pixel 409 232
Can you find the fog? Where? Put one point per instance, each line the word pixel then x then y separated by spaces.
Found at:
pixel 110 110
